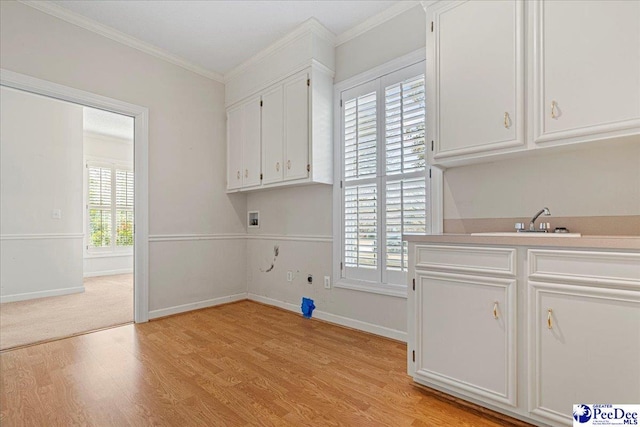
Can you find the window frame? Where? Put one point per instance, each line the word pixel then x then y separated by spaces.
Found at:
pixel 113 249
pixel 433 176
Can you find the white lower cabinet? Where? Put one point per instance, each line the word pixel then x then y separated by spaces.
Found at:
pixel 574 339
pixel 466 338
pixel 584 333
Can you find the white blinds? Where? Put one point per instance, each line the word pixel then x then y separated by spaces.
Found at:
pixel 384 182
pixel 124 189
pixel 361 226
pixel 404 126
pixel 99 186
pixel 110 207
pixel 360 137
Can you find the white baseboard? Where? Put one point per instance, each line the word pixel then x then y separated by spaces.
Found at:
pixel 334 318
pixel 41 294
pixel 153 314
pixel 107 272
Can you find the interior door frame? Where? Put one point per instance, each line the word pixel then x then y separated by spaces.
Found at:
pixel 141 168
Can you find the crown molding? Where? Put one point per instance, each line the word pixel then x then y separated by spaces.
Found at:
pixel 375 20
pixel 311 25
pixel 120 37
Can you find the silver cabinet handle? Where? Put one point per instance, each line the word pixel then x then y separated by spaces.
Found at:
pixel 506 120
pixel 554 113
pixel 495 310
pixel 278 166
pixel 288 164
pixel 238 175
pixel 549 319
pixel 246 173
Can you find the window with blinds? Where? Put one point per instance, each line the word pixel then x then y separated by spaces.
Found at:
pixel 110 202
pixel 384 183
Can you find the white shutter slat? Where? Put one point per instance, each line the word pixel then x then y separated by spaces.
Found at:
pixel 405 213
pixel 360 136
pixel 405 126
pixel 360 219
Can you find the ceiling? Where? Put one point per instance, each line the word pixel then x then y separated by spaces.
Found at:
pixel 220 35
pixel 105 123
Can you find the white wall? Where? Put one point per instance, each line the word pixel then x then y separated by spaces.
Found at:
pixel 307 211
pixel 41 171
pixel 113 150
pixel 186 147
pixel 601 180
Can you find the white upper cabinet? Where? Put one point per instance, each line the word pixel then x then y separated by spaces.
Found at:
pixel 243 145
pixel 272 135
pixel 587 69
pixel 475 74
pixel 251 143
pixel 234 148
pixel 296 127
pixel 286 130
pixel 582 63
pixel 285 134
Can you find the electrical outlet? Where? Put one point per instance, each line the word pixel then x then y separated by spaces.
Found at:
pixel 327 282
pixel 289 276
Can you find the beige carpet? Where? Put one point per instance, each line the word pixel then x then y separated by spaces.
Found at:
pixel 106 301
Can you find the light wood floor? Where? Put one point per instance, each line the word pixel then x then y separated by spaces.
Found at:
pixel 239 364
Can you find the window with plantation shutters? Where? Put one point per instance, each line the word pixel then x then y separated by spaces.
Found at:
pixel 383 185
pixel 110 202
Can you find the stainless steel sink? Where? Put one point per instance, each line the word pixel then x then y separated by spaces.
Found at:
pixel 521 234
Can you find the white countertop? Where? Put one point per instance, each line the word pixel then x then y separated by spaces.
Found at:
pixel 594 242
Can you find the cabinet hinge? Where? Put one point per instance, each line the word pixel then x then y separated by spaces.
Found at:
pixel 431 145
pixel 432 26
pixel 429 173
pixel 308 167
pixel 340 184
pixel 341 266
pixel 414 284
pixel 341 103
pixel 87 247
pixel 261 176
pixel 308 82
pixel 413 355
pixel 261 103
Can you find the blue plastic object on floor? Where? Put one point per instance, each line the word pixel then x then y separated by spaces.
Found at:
pixel 307 307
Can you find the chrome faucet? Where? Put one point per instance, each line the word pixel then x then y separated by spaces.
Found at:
pixel 532 223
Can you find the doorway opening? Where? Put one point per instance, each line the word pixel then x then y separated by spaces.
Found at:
pixel 73 188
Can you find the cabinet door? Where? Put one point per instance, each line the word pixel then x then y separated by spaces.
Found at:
pixel 251 143
pixel 584 347
pixel 272 135
pixel 587 68
pixel 234 148
pixel 296 128
pixel 466 334
pixel 476 77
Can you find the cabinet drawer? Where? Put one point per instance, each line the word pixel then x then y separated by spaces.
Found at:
pixel 607 268
pixel 494 261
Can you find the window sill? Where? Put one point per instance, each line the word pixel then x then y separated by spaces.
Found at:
pixel 108 254
pixel 398 291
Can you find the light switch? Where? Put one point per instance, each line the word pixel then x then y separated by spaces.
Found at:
pixel 56 214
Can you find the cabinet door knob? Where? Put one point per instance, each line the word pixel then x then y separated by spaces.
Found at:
pixel 278 166
pixel 246 173
pixel 238 175
pixel 495 310
pixel 554 113
pixel 506 120
pixel 288 164
pixel 549 320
